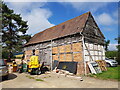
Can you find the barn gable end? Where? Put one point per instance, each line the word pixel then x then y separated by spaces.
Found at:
pixel 93 41
pixel 92 32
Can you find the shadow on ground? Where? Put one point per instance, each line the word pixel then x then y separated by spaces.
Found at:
pixel 10 77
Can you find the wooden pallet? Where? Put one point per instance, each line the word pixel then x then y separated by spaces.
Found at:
pixel 102 64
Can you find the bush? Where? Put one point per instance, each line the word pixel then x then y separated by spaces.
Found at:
pixel 113 55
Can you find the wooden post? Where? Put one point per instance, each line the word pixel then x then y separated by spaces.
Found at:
pixel 65 52
pixel 71 48
pixel 58 52
pixel 83 43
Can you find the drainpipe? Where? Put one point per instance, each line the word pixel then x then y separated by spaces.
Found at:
pixel 83 42
pixel 51 55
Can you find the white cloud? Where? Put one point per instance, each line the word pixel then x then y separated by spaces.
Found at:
pixel 38 20
pixel 105 19
pixel 24 7
pixel 112 47
pixel 34 13
pixel 87 6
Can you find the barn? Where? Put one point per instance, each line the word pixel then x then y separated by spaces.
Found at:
pixel 76 42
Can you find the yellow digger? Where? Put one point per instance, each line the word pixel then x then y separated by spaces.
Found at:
pixel 34 67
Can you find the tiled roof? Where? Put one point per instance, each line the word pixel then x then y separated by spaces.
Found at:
pixel 69 27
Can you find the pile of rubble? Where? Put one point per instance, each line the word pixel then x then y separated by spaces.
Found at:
pixel 65 73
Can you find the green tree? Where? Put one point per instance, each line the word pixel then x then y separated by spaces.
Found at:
pixel 111 54
pixel 118 47
pixel 118 40
pixel 13 31
pixel 107 44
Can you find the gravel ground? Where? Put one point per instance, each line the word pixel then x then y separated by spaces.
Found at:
pixel 53 80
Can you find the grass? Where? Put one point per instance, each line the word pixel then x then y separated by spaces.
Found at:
pixel 112 74
pixel 39 80
pixel 34 78
pixel 30 77
pixel 47 77
pixel 27 76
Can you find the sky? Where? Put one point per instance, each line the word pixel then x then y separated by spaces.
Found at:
pixel 42 15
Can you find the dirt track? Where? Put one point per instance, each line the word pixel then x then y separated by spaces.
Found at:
pixel 55 81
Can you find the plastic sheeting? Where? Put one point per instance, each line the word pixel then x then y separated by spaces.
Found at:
pixel 68 66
